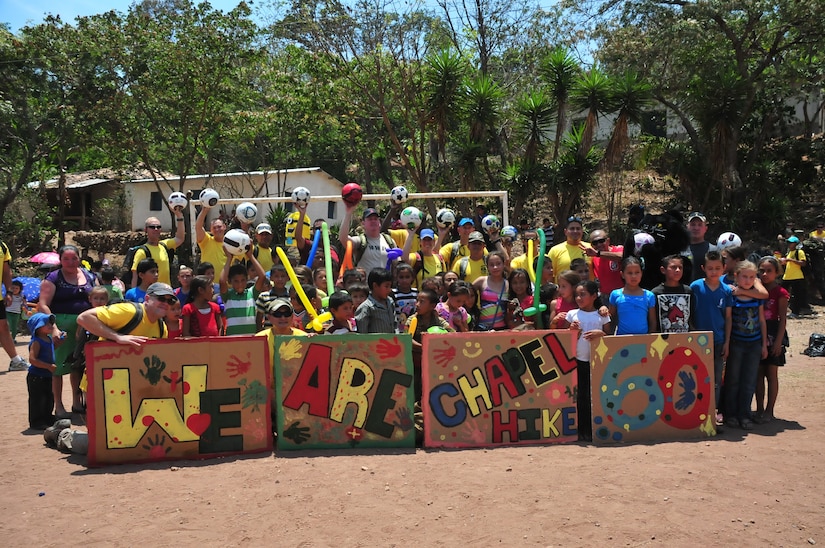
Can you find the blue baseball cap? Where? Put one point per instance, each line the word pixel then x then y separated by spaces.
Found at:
pixel 427 233
pixel 466 220
pixel 793 240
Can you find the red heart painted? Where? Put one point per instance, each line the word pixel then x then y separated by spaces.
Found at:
pixel 198 423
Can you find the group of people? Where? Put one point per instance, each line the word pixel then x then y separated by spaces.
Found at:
pixel 418 280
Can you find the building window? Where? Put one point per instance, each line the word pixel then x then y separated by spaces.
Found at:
pixel 156 201
pixel 288 206
pixel 331 209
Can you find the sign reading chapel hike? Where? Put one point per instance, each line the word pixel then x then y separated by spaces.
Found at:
pixel 499 388
pixel 177 399
pixel 344 391
pixel 652 387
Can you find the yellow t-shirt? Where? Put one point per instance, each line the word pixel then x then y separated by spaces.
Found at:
pixel 563 254
pixel 474 270
pixel 792 270
pixel 5 256
pixel 818 234
pixel 522 262
pixel 118 315
pixel 399 235
pixel 447 250
pixel 433 264
pixel 292 224
pixel 212 252
pixel 270 337
pixel 264 257
pixel 159 254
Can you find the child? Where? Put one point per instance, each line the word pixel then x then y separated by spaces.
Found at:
pixel 712 312
pixel 547 274
pixel 301 317
pixel 404 294
pixel 39 378
pixel 632 307
pixel 377 313
pixel 452 310
pixel 174 325
pixel 340 306
pixel 351 276
pixel 185 275
pixel 590 325
pixel 748 345
pixel 98 297
pixel 107 280
pixel 673 298
pixel 449 277
pixel 277 290
pixel 776 311
pixel 496 308
pixel 547 295
pixel 566 301
pixel 521 290
pixel 239 300
pixel 147 273
pixel 201 315
pixel 434 283
pixel 471 305
pixel 359 292
pixel 579 266
pixel 731 257
pixel 319 280
pixel 424 318
pixel 16 308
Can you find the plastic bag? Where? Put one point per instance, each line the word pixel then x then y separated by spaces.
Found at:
pixel 816 346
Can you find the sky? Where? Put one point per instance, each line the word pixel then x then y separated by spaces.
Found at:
pixel 19 13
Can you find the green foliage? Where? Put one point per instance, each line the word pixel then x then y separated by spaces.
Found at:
pixel 276 217
pixel 27 225
pixel 113 213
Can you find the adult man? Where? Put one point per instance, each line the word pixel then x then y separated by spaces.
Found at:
pixel 371 249
pixel 607 261
pixel 211 244
pixel 106 321
pixel 473 265
pixel 6 339
pixel 522 261
pixel 572 248
pixel 158 248
pixel 698 248
pixel 451 252
pixel 262 250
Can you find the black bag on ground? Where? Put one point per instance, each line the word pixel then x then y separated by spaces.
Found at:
pixel 816 346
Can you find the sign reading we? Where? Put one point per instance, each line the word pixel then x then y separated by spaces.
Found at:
pixel 338 391
pixel 174 399
pixel 499 388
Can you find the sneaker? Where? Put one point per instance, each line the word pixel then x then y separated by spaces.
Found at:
pixel 51 433
pixel 746 424
pixel 764 418
pixel 18 364
pixel 732 423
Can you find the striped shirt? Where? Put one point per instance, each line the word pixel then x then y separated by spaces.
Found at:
pixel 240 312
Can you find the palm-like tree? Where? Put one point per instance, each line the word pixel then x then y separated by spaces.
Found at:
pixel 445 74
pixel 631 96
pixel 591 92
pixel 483 106
pixel 560 70
pixel 535 110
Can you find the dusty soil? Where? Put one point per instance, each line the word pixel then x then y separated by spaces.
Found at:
pixel 746 489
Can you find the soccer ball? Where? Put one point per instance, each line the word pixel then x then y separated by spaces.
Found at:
pixel 236 242
pixel 509 232
pixel 209 197
pixel 399 195
pixel 301 195
pixel 246 212
pixel 177 199
pixel 490 224
pixel 352 193
pixel 727 240
pixel 641 239
pixel 411 217
pixel 445 218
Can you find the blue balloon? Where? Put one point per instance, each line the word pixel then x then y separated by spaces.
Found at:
pixel 314 249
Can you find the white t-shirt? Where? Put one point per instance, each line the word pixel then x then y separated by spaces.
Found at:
pixel 588 321
pixel 375 254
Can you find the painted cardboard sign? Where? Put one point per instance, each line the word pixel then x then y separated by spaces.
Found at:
pixel 652 387
pixel 176 399
pixel 499 388
pixel 344 391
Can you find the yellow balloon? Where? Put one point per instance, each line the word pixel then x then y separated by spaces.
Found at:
pixel 296 283
pixel 530 256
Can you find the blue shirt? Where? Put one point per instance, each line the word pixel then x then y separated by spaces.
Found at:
pixel 46 354
pixel 709 309
pixel 632 311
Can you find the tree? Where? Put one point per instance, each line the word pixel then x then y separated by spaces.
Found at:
pixel 559 71
pixel 591 93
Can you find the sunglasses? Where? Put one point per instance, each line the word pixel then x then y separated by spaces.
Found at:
pixel 599 241
pixel 574 219
pixel 168 299
pixel 281 313
pixel 156 227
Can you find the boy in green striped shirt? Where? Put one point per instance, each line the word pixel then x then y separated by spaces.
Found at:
pixel 239 300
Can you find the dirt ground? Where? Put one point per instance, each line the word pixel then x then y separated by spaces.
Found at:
pixel 763 488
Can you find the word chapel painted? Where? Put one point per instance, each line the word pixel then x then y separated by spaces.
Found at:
pixel 340 391
pixel 652 387
pixel 189 399
pixel 499 388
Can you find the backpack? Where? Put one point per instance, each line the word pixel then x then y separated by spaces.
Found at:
pixel 807 270
pixel 129 260
pixel 362 245
pixel 419 263
pixel 77 361
pixel 455 249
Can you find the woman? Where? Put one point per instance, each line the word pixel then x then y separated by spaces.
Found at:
pixel 65 293
pixel 493 289
pixel 426 263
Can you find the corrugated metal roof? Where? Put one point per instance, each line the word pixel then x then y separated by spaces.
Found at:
pixel 70 185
